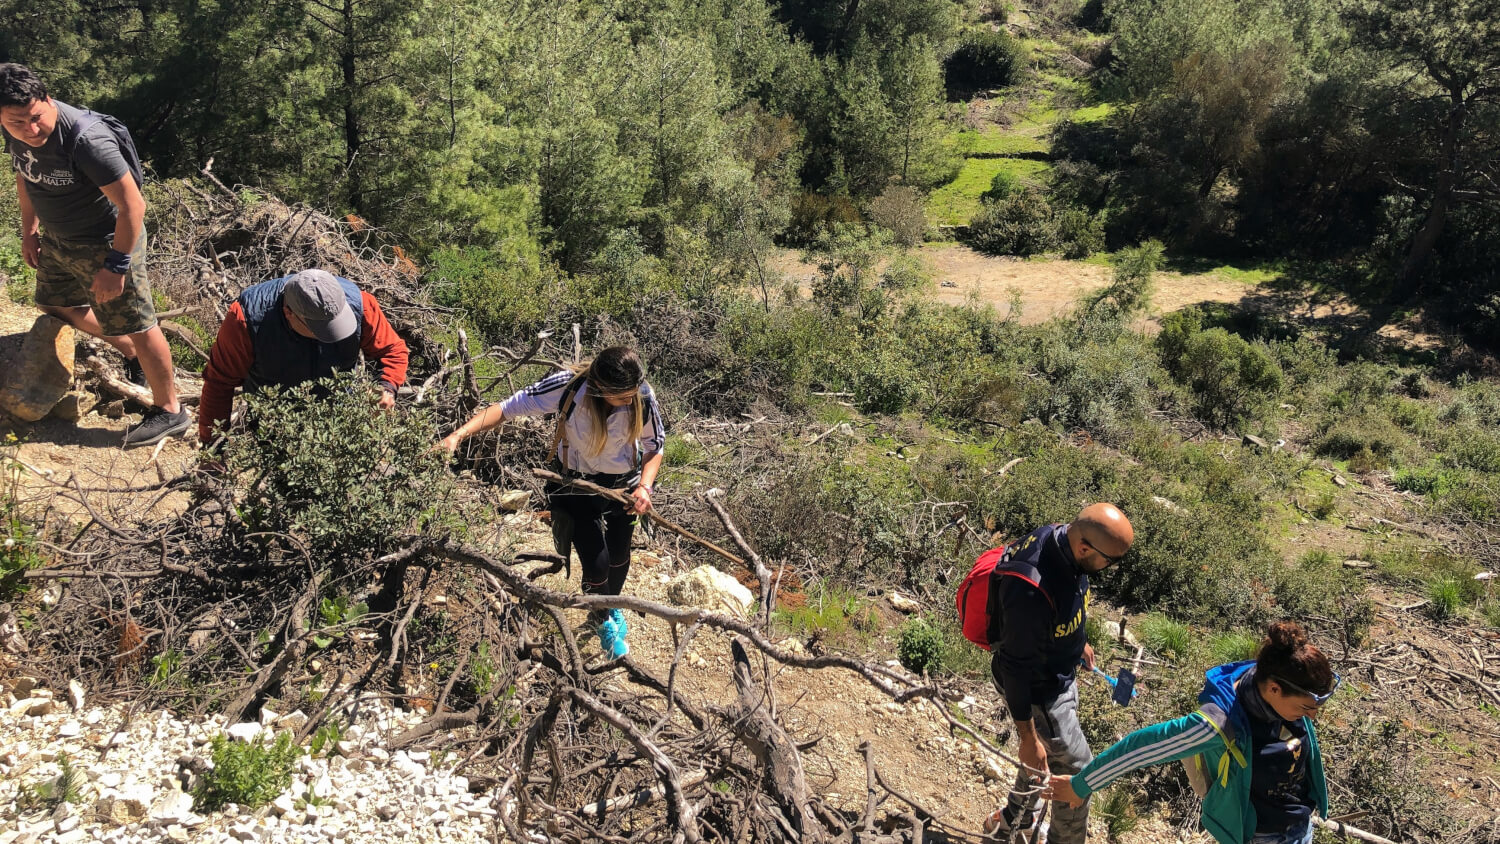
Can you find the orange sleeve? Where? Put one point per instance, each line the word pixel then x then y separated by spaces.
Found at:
pixel 228 363
pixel 381 344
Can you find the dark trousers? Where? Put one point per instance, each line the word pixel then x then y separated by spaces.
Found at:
pixel 600 530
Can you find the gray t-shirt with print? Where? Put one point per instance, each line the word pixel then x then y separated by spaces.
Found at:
pixel 68 200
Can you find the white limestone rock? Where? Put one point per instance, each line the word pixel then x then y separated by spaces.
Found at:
pixel 711 589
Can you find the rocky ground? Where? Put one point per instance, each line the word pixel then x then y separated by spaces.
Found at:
pixel 137 768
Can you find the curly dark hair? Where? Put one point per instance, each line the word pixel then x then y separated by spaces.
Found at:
pixel 1287 654
pixel 19 86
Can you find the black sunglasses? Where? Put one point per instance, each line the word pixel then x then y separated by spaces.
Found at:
pixel 1112 560
pixel 1317 698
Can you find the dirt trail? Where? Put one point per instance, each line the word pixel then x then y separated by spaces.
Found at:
pixel 1046 287
pixel 912 747
pixel 89 449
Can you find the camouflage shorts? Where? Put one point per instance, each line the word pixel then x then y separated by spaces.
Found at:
pixel 65 279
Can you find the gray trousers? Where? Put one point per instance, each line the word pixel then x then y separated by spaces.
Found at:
pixel 1056 721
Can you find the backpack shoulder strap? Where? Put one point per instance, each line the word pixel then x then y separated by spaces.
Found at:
pixel 1009 566
pixel 564 410
pixel 86 121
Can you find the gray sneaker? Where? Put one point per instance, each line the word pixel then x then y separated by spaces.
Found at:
pixel 156 425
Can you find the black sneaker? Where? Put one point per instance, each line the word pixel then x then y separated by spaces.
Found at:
pixel 157 424
pixel 134 374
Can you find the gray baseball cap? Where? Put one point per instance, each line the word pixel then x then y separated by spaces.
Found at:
pixel 317 297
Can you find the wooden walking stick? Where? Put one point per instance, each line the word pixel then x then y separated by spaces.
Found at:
pixel 616 495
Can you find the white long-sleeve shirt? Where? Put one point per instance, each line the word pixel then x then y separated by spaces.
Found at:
pixel 619 455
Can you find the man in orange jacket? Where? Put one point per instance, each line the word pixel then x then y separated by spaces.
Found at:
pixel 295 329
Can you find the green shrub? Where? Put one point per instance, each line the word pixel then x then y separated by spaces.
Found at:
pixel 1477 450
pixel 47 795
pixel 322 463
pixel 1444 599
pixel 1232 381
pixel 1370 433
pixel 1324 504
pixel 1118 812
pixel 900 210
pixel 1318 585
pixel 1098 377
pixel 1427 480
pixel 919 646
pixel 985 58
pixel 248 774
pixel 1232 646
pixel 1162 635
pixel 1079 233
pixel 1132 285
pixel 1002 185
pixel 503 291
pixel 1021 224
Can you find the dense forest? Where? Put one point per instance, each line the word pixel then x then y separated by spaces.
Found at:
pixel 580 136
pixel 645 173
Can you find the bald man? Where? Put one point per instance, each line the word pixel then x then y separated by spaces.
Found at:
pixel 1039 598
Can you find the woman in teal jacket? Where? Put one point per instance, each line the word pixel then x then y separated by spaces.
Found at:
pixel 1252 740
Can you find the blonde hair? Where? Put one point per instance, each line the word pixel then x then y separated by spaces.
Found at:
pixel 614 370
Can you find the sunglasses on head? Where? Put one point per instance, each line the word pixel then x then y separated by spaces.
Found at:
pixel 1317 698
pixel 1112 560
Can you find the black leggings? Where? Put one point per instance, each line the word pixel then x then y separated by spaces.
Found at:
pixel 600 530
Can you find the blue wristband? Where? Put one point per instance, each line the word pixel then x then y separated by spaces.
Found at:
pixel 117 262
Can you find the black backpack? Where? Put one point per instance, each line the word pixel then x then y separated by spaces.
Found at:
pixel 86 120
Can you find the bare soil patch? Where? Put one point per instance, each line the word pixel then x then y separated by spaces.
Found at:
pixel 1046 288
pixel 89 450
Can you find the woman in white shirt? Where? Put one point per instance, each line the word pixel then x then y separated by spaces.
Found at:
pixel 610 432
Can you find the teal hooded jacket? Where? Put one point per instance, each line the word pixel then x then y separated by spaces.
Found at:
pixel 1220 732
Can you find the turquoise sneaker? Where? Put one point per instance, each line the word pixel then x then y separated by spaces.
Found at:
pixel 612 638
pixel 618 616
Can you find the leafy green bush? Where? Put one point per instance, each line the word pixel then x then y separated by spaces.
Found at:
pixel 503 291
pixel 322 463
pixel 985 58
pixel 1318 585
pixel 919 646
pixel 1079 233
pixel 248 774
pixel 1369 435
pixel 1020 224
pixel 1098 377
pixel 1132 285
pixel 1231 381
pixel 1002 185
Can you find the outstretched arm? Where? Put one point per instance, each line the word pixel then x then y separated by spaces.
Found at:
pixel 1157 744
pixel 486 419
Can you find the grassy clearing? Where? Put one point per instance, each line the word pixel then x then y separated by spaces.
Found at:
pixel 993 140
pixel 957 202
pixel 1092 114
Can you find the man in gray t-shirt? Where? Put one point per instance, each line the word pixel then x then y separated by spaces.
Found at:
pixel 80 198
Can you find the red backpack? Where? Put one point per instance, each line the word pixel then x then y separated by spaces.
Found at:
pixel 973 599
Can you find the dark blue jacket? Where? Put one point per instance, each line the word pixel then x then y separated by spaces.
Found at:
pixel 1038 613
pixel 284 358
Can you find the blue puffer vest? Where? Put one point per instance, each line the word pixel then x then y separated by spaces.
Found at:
pixel 284 358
